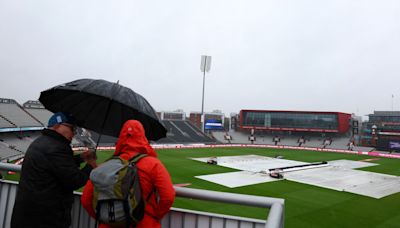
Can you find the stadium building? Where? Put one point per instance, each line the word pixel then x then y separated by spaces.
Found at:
pixel 212 121
pixel 382 131
pixel 291 128
pixel 176 115
pixel 295 121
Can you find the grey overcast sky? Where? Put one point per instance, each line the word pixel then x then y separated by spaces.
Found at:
pixel 337 55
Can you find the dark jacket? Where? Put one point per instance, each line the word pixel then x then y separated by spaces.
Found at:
pixel 48 177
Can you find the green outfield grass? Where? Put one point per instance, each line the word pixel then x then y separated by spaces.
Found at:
pixel 305 205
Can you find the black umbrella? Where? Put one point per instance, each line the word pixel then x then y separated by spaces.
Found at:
pixel 103 106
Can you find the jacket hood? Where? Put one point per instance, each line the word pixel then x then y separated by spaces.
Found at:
pixel 132 140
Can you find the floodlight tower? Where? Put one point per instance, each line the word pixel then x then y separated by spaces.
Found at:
pixel 205 66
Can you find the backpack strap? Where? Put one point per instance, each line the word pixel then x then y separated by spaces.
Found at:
pixel 112 157
pixel 127 217
pixel 97 216
pixel 137 157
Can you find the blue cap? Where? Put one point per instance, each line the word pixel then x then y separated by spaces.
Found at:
pixel 59 118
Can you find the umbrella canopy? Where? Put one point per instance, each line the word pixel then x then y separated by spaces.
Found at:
pixel 103 106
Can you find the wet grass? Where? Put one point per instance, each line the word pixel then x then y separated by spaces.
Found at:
pixel 305 205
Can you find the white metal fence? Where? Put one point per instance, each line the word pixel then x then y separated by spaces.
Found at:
pixel 177 218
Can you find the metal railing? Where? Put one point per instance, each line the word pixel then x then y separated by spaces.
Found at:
pixel 275 216
pixel 176 218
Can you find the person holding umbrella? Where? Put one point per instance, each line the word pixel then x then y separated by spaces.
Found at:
pixel 154 179
pixel 50 173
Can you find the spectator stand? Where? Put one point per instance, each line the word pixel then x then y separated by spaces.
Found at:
pixel 5 123
pixel 182 131
pixel 15 114
pixel 37 111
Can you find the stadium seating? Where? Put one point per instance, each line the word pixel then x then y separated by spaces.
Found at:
pixel 40 114
pixel 291 141
pixel 179 132
pixel 238 137
pixel 182 131
pixel 364 148
pixel 339 143
pixel 192 131
pixel 105 140
pixel 219 136
pixel 7 153
pixel 4 123
pixel 312 140
pixel 18 116
pixel 21 142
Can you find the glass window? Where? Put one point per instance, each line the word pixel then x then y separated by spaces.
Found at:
pixel 291 120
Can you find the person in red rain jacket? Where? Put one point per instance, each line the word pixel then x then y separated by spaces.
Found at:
pixel 152 173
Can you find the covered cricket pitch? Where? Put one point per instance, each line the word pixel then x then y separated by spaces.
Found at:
pixel 340 175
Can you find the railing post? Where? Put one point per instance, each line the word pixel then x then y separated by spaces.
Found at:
pixel 10 167
pixel 275 216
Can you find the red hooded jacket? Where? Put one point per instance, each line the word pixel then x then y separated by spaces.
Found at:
pixel 152 174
